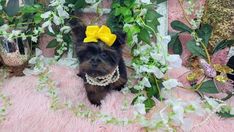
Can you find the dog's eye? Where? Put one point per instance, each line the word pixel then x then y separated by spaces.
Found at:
pixel 103 55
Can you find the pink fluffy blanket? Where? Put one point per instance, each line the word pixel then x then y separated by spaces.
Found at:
pixel 30 109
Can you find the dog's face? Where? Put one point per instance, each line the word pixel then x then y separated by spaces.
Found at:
pixel 97 59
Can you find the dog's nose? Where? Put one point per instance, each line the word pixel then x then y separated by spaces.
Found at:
pixel 95 61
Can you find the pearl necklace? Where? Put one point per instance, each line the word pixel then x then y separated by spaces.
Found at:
pixel 103 80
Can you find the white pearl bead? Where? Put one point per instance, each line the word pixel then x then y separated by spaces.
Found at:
pixel 104 80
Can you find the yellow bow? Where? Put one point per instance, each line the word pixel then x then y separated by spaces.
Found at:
pixel 93 33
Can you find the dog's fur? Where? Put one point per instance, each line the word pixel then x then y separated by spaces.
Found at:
pixel 97 59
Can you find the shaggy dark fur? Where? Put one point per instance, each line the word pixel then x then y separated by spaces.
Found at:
pixel 97 59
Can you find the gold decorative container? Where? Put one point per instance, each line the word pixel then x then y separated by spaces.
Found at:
pixel 14 53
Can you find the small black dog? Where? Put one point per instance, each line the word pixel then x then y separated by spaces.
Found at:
pixel 102 67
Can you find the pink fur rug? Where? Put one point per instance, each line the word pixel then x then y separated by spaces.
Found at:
pixel 30 109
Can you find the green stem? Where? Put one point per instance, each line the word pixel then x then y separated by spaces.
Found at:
pixel 158 88
pixel 207 53
pixel 199 86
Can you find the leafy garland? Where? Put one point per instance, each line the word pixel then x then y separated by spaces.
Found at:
pixel 168 118
pixel 211 74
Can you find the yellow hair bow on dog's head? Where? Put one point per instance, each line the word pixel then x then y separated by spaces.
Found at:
pixel 94 33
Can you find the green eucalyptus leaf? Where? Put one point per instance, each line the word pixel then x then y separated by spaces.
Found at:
pixel 37 18
pixel 28 9
pixel 29 2
pixel 151 92
pixel 225 115
pixel 175 44
pixel 149 103
pixel 160 1
pixel 195 50
pixel 71 1
pixel 12 7
pixel 223 44
pixel 144 35
pixel 1 21
pixel 155 86
pixel 205 33
pixel 179 26
pixel 80 4
pixel 152 14
pixel 209 87
pixel 52 44
pixel 134 90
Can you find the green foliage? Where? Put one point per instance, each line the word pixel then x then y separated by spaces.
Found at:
pixel 29 2
pixel 209 87
pixel 52 44
pixel 195 50
pixel 144 36
pixel 225 112
pixel 205 32
pixel 149 103
pixel 160 1
pixel 175 44
pixel 223 44
pixel 12 7
pixel 80 4
pixel 179 26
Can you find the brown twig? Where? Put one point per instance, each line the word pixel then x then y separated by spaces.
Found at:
pixel 181 2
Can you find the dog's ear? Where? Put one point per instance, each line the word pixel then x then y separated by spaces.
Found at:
pixel 120 41
pixel 78 30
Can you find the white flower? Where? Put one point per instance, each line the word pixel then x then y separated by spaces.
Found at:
pixel 171 83
pixel 59 38
pixel 34 39
pixel 157 72
pixel 15 32
pixel 232 111
pixel 90 1
pixel 174 61
pixel 134 39
pixel 159 57
pixel 49 25
pixel 62 13
pixel 51 29
pixel 46 24
pixel 212 102
pixel 165 40
pixel 23 36
pixel 178 109
pixel 187 125
pixel 56 20
pixel 140 99
pixel 65 29
pixel 145 59
pixel 140 108
pixel 136 52
pixel 33 60
pixel 146 1
pixel 144 48
pixel 138 87
pixel 71 5
pixel 4 27
pixel 46 14
pixel 146 82
pixel 143 12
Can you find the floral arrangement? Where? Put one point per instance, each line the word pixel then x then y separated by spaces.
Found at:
pixel 150 62
pixel 205 77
